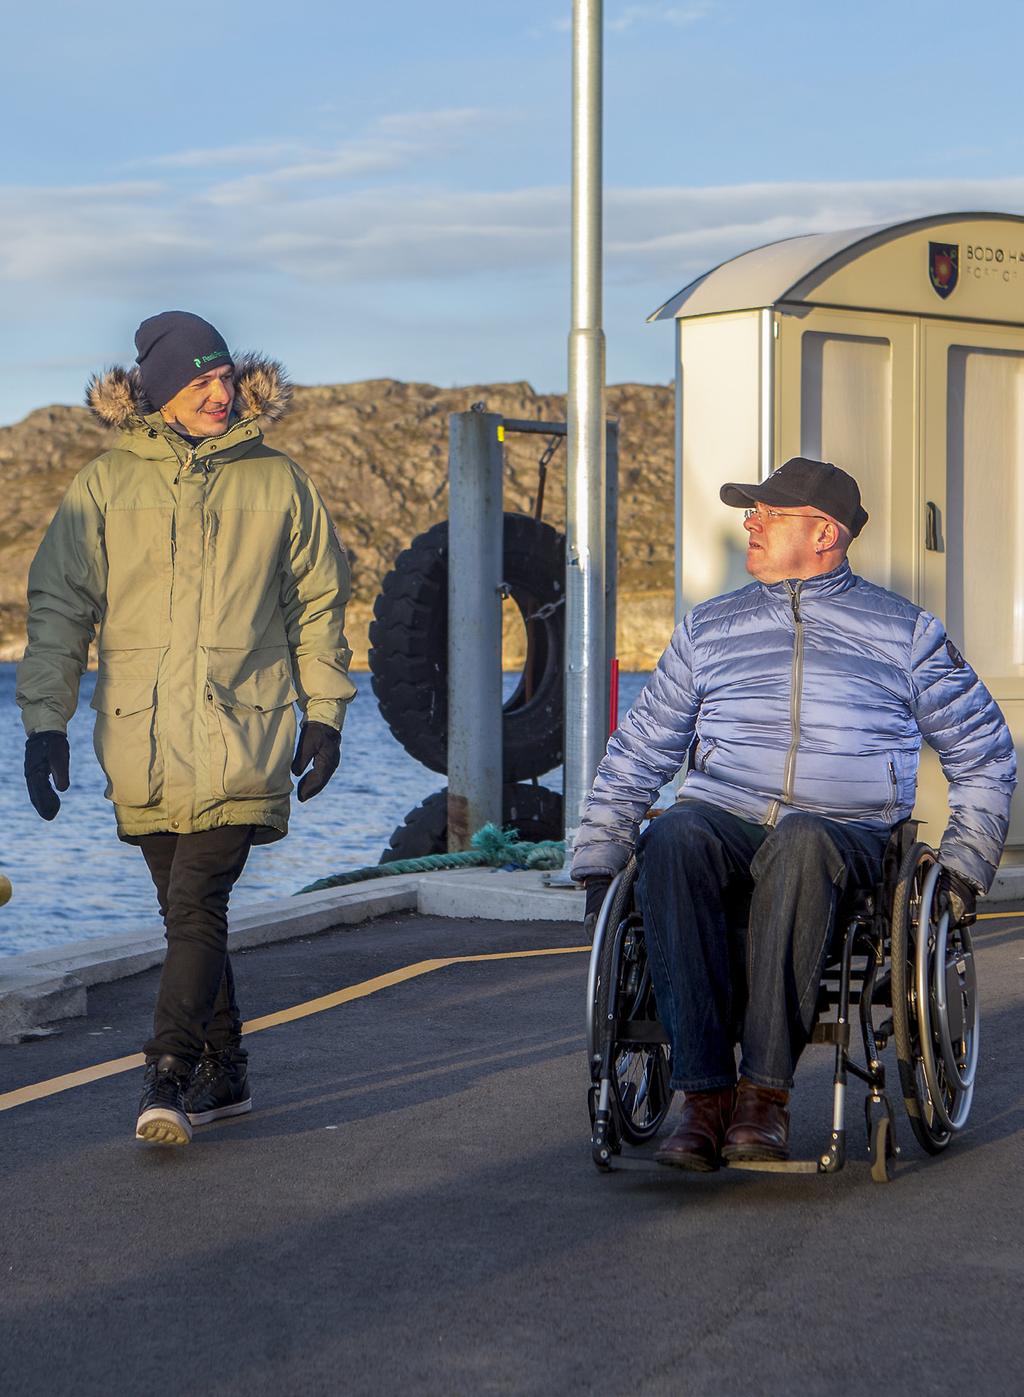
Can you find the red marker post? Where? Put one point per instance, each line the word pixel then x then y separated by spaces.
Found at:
pixel 613 698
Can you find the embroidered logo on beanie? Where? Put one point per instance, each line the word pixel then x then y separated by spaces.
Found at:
pixel 200 360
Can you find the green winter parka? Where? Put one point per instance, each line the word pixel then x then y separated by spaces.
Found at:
pixel 218 585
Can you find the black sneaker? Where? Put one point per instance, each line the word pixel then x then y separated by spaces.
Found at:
pixel 162 1118
pixel 219 1087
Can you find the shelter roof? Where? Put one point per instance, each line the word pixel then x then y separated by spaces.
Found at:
pixel 805 268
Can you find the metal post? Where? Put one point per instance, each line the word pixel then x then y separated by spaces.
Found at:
pixel 680 604
pixel 475 526
pixel 586 668
pixel 611 554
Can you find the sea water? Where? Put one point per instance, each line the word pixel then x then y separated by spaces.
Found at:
pixel 73 878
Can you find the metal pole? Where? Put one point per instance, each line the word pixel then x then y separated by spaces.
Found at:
pixel 475 526
pixel 680 609
pixel 586 666
pixel 611 554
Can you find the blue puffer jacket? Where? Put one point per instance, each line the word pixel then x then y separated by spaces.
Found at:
pixel 809 696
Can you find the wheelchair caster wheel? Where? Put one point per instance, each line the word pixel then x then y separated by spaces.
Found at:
pixel 882 1149
pixel 604 1142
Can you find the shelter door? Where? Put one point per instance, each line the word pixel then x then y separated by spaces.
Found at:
pixel 845 391
pixel 972 539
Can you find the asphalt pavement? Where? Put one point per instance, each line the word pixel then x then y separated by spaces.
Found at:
pixel 411 1205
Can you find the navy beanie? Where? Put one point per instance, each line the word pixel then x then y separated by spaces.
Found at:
pixel 175 347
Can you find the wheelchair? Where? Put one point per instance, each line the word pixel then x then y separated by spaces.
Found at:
pixel 898 957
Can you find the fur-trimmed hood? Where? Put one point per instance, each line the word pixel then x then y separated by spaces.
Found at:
pixel 263 389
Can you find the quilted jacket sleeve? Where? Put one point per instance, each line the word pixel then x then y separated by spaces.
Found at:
pixel 959 718
pixel 67 584
pixel 315 589
pixel 646 750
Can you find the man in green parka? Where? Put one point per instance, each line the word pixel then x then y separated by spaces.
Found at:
pixel 217 582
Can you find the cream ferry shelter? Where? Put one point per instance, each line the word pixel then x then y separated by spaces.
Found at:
pixel 896 351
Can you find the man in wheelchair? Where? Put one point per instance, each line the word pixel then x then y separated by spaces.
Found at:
pixel 801 701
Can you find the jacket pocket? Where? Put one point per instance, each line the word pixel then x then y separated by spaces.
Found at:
pixel 126 740
pixel 252 732
pixel 903 775
pixel 705 751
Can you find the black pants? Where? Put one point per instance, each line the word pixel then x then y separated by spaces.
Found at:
pixel 194 875
pixel 717 973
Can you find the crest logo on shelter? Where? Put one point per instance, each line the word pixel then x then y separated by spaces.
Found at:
pixel 943 267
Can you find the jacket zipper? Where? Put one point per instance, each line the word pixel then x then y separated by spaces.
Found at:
pixel 209 535
pixel 796 688
pixel 189 464
pixel 889 809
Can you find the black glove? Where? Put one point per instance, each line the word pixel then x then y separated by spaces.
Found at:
pixel 960 895
pixel 320 744
pixel 47 754
pixel 596 887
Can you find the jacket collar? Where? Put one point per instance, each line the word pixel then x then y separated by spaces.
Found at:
pixel 153 440
pixel 826 584
pixel 263 390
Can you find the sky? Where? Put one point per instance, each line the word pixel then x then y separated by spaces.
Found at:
pixel 382 191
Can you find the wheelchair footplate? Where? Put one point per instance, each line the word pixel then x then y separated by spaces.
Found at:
pixel 643 1161
pixel 611 1153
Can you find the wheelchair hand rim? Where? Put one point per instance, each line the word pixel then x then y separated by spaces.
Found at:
pixel 952 1117
pixel 962 1078
pixel 600 931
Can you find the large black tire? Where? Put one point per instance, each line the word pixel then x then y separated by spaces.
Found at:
pixel 409 648
pixel 534 811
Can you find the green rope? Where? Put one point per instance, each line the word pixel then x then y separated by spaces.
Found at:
pixel 490 847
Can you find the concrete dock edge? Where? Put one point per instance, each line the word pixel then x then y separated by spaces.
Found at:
pixel 41 987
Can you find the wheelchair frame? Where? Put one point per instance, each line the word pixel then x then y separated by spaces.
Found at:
pixel 912 959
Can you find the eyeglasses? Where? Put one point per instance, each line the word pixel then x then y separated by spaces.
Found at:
pixel 767 513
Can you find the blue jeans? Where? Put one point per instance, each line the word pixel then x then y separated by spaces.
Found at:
pixel 739 920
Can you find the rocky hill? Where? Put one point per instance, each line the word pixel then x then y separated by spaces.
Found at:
pixel 378 453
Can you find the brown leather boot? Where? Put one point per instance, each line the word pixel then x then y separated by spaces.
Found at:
pixel 696 1141
pixel 759 1128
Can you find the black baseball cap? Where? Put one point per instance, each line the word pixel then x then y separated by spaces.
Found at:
pixel 800 481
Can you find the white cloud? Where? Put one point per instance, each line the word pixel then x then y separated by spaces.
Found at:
pixel 323 219
pixel 678 16
pixel 389 142
pixel 419 124
pixel 634 17
pixel 272 152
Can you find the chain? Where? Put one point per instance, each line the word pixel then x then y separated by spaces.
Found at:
pixel 544 612
pixel 549 451
pixel 542 473
pixel 541 614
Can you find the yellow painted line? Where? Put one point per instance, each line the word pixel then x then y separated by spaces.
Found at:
pixel 51 1087
pixel 991 916
pixel 345 996
pixel 69 1080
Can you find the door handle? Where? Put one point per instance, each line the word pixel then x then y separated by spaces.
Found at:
pixel 933 528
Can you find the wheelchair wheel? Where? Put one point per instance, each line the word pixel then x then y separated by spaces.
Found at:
pixel 936 1017
pixel 630 1076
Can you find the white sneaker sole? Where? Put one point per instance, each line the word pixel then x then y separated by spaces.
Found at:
pixel 162 1126
pixel 220 1112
